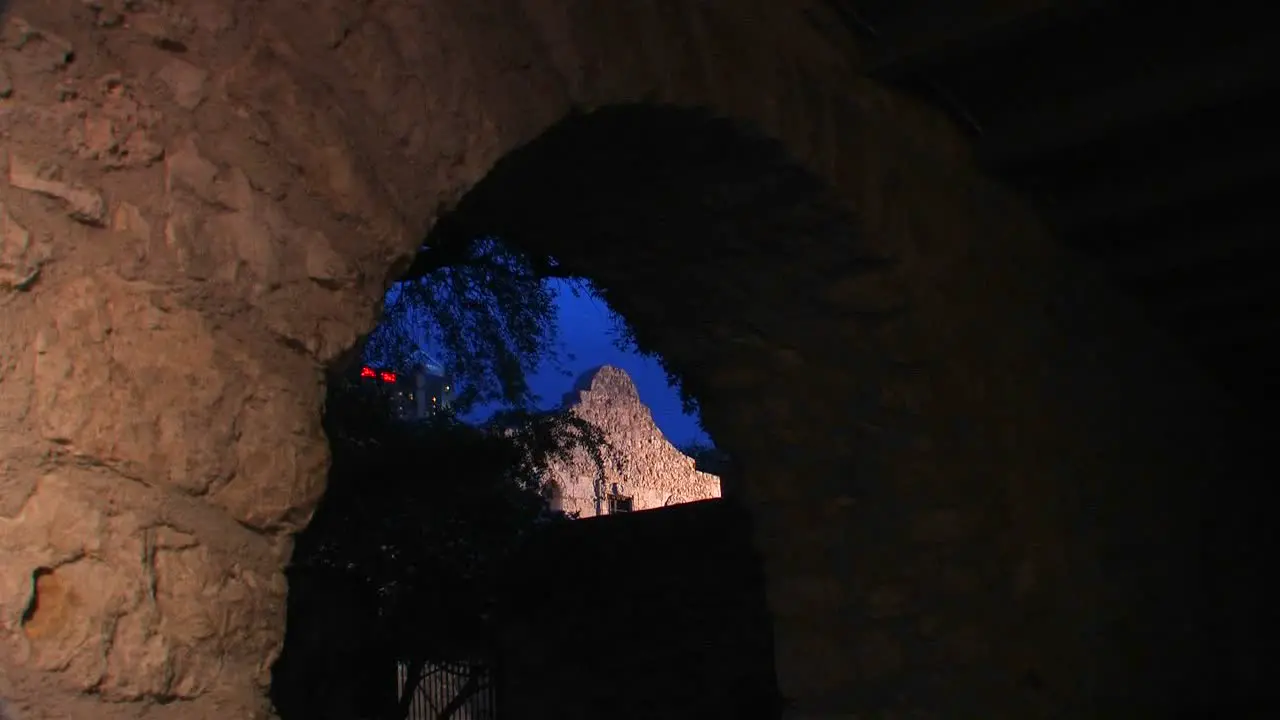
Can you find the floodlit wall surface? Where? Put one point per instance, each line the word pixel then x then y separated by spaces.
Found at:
pixel 639 463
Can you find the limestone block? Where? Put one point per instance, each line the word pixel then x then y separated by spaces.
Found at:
pixel 128 220
pixel 281 463
pixel 95 138
pixel 132 593
pixel 115 133
pixel 325 266
pixel 210 601
pixel 68 576
pixel 105 14
pixel 183 236
pixel 187 170
pixel 72 609
pixel 50 530
pixel 186 83
pixel 132 384
pixel 37 49
pixel 83 204
pixel 17 482
pixel 19 261
pixel 254 243
pixel 138 665
pixel 168 29
pixel 219 227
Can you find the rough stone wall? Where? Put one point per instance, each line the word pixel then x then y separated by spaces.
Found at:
pixel 159 425
pixel 642 465
pixel 670 622
pixel 973 470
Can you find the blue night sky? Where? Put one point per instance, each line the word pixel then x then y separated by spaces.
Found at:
pixel 586 326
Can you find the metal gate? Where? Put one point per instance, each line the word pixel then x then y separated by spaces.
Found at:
pixel 450 691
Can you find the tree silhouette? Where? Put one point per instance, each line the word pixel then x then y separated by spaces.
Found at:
pixel 409 543
pixel 486 312
pixel 402 559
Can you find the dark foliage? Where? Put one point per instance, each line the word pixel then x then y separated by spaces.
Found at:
pixel 708 458
pixel 484 309
pixel 697 450
pixel 414 530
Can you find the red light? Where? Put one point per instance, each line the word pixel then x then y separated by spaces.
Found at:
pixel 388 376
pixel 367 372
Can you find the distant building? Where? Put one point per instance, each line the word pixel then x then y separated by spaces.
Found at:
pixel 652 473
pixel 642 470
pixel 415 393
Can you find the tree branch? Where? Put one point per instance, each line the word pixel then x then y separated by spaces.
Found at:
pixel 468 690
pixel 413 679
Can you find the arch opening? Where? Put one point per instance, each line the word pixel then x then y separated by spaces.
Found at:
pixel 508 344
pixel 657 212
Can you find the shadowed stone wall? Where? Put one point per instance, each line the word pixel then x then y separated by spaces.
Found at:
pixel 974 473
pixel 641 464
pixel 669 622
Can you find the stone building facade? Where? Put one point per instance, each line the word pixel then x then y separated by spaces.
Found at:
pixel 649 471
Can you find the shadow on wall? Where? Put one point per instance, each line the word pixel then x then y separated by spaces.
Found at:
pixel 659 614
pixel 658 224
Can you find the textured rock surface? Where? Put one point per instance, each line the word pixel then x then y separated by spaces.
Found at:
pixel 644 465
pixel 971 468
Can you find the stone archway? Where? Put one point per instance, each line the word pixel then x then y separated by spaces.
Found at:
pixel 972 489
